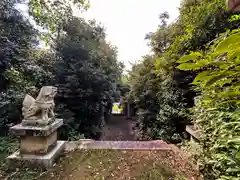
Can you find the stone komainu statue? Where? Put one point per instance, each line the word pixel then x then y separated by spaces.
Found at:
pixel 41 109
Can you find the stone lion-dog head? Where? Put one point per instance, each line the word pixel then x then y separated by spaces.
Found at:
pixel 46 94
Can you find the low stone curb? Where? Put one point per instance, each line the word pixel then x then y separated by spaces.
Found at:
pixel 127 145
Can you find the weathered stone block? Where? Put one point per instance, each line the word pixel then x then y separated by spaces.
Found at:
pixel 44 161
pixel 37 122
pixel 23 130
pixel 38 144
pixel 194 133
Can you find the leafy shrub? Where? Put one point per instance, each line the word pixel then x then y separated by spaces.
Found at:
pixel 194 150
pixel 217 111
pixel 170 91
pixel 7 146
pixel 79 62
pixel 87 73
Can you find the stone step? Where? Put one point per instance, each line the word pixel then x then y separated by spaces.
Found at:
pixel 127 145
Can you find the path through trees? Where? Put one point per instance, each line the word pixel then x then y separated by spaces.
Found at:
pixel 119 128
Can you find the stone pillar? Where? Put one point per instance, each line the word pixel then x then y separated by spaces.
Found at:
pixel 38 144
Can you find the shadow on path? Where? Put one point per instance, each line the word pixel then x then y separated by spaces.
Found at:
pixel 119 128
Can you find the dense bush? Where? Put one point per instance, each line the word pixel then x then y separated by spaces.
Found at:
pixel 87 73
pixel 210 71
pixel 199 23
pixel 143 91
pixel 214 71
pixel 78 61
pixel 20 69
pixel 217 110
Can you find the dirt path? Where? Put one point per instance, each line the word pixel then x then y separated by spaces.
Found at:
pixel 119 128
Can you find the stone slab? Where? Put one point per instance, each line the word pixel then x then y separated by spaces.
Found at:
pixel 118 145
pixel 44 161
pixel 192 132
pixel 37 122
pixel 131 145
pixel 38 144
pixel 23 130
pixel 74 145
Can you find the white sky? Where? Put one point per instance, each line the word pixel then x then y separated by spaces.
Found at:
pixel 128 21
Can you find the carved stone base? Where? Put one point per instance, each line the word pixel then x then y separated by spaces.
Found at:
pixel 37 140
pixel 36 160
pixel 38 144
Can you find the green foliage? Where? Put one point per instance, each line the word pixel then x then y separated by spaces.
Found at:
pixel 160 115
pixel 87 73
pixel 53 14
pixel 194 150
pixel 20 70
pixel 7 146
pixel 217 112
pixel 164 88
pixel 79 62
pixel 143 92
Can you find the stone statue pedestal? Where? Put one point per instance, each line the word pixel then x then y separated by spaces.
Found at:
pixel 38 144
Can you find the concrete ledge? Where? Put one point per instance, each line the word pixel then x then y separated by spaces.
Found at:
pixel 23 130
pixel 44 161
pixel 117 145
pixel 192 132
pixel 73 145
